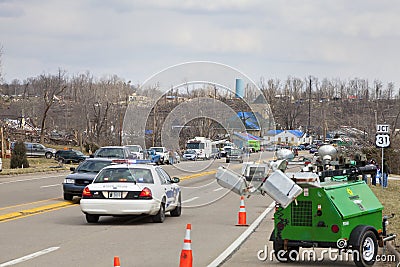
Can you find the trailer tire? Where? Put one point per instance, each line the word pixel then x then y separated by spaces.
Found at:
pixel 366 246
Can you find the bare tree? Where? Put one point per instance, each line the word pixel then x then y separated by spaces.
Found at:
pixel 52 87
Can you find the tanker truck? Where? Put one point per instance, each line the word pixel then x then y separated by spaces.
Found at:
pixel 324 207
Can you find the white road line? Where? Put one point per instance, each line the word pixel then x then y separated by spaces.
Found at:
pixel 45 186
pixel 218 189
pixel 240 240
pixel 185 201
pixel 29 257
pixel 32 179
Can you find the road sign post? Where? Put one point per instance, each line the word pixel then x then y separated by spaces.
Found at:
pixel 382 140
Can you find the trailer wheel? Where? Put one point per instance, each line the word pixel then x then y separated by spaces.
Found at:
pixel 367 249
pixel 289 255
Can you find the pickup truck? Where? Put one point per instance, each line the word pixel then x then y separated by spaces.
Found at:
pixel 136 151
pixel 163 152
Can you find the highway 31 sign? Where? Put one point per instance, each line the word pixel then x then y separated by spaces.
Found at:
pixel 382 137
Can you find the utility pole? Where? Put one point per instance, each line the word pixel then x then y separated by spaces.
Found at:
pixel 309 108
pixel 3 147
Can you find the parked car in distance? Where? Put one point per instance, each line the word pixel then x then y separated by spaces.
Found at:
pixel 132 189
pixel 235 154
pixel 113 152
pixel 83 175
pixel 136 151
pixel 153 156
pixel 190 154
pixel 163 152
pixel 37 150
pixel 69 156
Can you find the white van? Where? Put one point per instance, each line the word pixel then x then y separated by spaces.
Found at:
pixel 202 146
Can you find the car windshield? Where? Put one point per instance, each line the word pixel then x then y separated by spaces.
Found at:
pixel 134 148
pixel 109 153
pixel 235 152
pixel 195 145
pixel 92 166
pixel 125 175
pixel 79 153
pixel 157 149
pixel 190 152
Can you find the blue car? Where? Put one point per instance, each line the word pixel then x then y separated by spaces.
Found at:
pixel 153 156
pixel 83 175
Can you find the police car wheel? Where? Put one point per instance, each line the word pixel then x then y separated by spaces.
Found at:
pixel 92 218
pixel 160 216
pixel 178 210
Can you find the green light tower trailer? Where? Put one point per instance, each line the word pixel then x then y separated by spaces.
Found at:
pixel 331 209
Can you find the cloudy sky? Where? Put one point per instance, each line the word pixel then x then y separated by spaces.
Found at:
pixel 134 39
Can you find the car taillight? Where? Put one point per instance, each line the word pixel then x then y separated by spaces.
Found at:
pixel 86 192
pixel 146 193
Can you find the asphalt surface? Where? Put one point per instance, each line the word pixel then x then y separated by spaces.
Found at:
pixel 251 253
pixel 249 249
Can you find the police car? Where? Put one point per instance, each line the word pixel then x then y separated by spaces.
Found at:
pixel 131 189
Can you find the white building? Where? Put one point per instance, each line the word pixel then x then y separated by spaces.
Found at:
pixel 291 137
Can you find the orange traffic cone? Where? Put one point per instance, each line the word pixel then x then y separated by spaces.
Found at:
pixel 242 213
pixel 186 254
pixel 116 262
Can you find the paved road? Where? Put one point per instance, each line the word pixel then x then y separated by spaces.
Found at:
pixel 51 232
pixel 60 235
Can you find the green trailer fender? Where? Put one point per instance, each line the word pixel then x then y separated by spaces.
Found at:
pixel 356 234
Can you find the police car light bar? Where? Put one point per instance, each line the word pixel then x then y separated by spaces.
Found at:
pixel 131 161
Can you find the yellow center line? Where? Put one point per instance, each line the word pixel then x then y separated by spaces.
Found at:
pixel 25 204
pixel 197 175
pixel 65 204
pixel 30 212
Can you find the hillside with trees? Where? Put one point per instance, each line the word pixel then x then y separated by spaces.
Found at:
pixel 81 109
